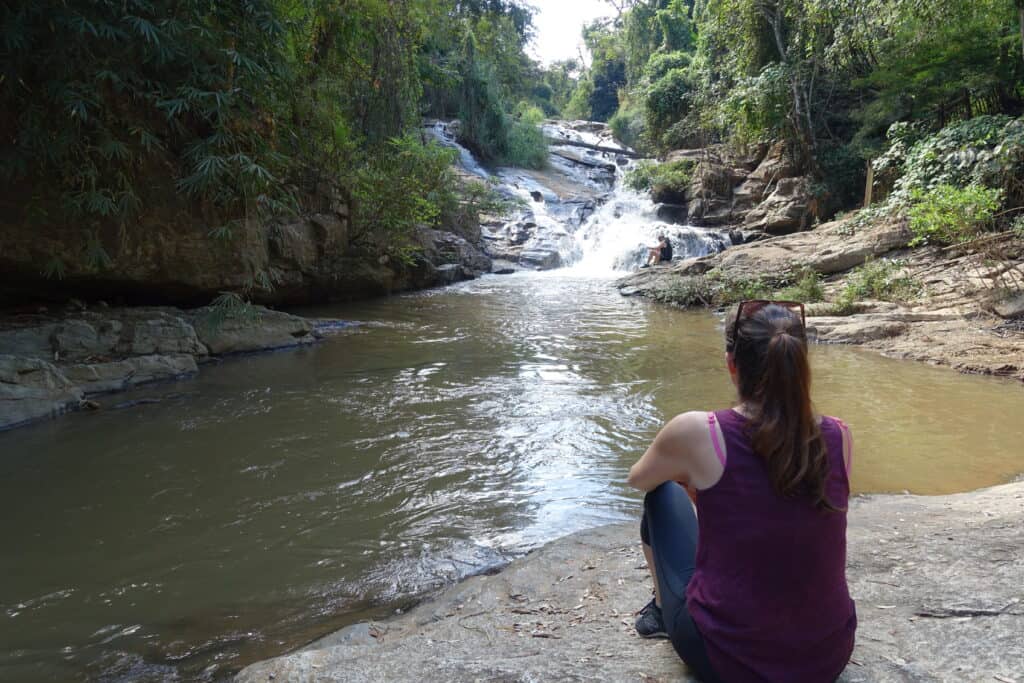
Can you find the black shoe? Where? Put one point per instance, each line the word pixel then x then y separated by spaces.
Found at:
pixel 649 623
pixel 646 265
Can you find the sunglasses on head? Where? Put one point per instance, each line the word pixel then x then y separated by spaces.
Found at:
pixel 749 308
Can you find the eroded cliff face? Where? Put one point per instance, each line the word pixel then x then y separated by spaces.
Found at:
pixel 757 192
pixel 172 258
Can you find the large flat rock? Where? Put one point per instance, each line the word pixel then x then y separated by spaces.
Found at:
pixel 939 584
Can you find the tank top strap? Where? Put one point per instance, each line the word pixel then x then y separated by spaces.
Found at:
pixel 845 443
pixel 715 441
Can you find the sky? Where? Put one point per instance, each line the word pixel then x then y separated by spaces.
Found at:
pixel 559 23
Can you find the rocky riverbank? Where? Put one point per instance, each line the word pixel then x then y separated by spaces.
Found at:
pixel 963 309
pixel 937 580
pixel 51 364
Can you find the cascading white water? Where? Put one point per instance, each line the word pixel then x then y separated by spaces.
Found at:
pixel 617 236
pixel 554 229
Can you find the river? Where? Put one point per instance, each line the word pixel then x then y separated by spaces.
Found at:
pixel 278 497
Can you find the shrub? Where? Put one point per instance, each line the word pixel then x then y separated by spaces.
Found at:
pixel 667 101
pixel 985 150
pixel 674 176
pixel 526 146
pixel 806 287
pixel 882 280
pixel 629 126
pixel 412 184
pixel 950 215
pixel 688 291
pixel 661 64
pixel 730 290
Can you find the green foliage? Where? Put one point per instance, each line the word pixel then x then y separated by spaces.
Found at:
pixel 252 109
pixel 946 214
pixel 686 291
pixel 828 77
pixel 527 147
pixel 987 150
pixel 1017 227
pixel 806 287
pixel 667 101
pixel 229 306
pixel 731 290
pixel 660 64
pixel 597 94
pixel 881 280
pixel 98 93
pixel 629 126
pixel 672 176
pixel 410 184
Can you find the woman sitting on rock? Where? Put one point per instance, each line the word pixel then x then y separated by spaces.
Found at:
pixel 762 595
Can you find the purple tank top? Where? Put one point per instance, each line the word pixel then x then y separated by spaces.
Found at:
pixel 769 593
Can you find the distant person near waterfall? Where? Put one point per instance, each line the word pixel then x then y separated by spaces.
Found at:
pixel 751 585
pixel 662 253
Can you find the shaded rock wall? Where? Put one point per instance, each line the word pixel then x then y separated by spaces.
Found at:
pixel 170 257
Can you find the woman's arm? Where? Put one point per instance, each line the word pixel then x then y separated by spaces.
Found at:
pixel 669 458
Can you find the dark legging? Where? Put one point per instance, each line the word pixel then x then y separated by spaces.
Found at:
pixel 670 528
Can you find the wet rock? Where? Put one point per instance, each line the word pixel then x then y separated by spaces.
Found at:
pixel 94 378
pixel 540 259
pixel 499 267
pixel 936 579
pixel 672 213
pixel 447 248
pixel 31 389
pixel 537 195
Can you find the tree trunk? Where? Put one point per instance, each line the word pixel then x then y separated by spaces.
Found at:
pixel 1020 15
pixel 869 186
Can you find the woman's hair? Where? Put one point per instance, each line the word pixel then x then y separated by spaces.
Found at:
pixel 770 351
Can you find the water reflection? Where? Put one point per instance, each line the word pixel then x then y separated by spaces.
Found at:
pixel 280 496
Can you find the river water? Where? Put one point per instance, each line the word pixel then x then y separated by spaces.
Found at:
pixel 277 497
pixel 280 496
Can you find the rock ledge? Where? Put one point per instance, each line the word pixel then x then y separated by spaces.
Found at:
pixel 939 584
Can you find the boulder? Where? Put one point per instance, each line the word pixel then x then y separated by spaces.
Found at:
pixel 264 330
pixel 94 378
pixel 500 267
pixel 775 166
pixel 159 333
pixel 32 338
pixel 855 329
pixel 31 389
pixel 827 249
pixel 540 259
pixel 790 208
pixel 1010 305
pixel 672 213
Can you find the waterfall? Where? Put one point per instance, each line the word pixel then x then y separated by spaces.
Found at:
pixel 578 213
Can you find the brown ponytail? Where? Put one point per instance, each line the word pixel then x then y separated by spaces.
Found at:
pixel 770 351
